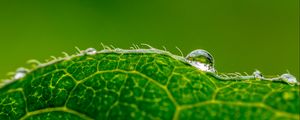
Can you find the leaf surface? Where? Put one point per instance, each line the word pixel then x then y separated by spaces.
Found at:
pixel 141 85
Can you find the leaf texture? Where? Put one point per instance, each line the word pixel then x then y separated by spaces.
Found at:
pixel 141 85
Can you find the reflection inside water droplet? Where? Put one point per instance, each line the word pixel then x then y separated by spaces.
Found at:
pixel 20 73
pixel 90 51
pixel 202 60
pixel 289 78
pixel 257 74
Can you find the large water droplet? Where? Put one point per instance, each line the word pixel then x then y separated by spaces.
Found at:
pixel 202 60
pixel 90 51
pixel 289 78
pixel 20 73
pixel 257 74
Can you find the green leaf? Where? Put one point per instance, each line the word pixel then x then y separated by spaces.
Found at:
pixel 141 84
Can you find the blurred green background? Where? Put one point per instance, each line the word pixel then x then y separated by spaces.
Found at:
pixel 242 35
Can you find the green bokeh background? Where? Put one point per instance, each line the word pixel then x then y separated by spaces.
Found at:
pixel 242 35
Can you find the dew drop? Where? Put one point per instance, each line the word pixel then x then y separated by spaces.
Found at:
pixel 118 50
pixel 20 73
pixel 202 60
pixel 90 51
pixel 289 78
pixel 257 74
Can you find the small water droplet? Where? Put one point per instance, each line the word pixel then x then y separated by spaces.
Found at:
pixel 20 73
pixel 118 49
pixel 201 59
pixel 289 78
pixel 257 74
pixel 90 51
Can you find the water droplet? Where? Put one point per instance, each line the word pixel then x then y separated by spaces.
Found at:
pixel 289 78
pixel 90 51
pixel 202 60
pixel 20 73
pixel 257 74
pixel 118 50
